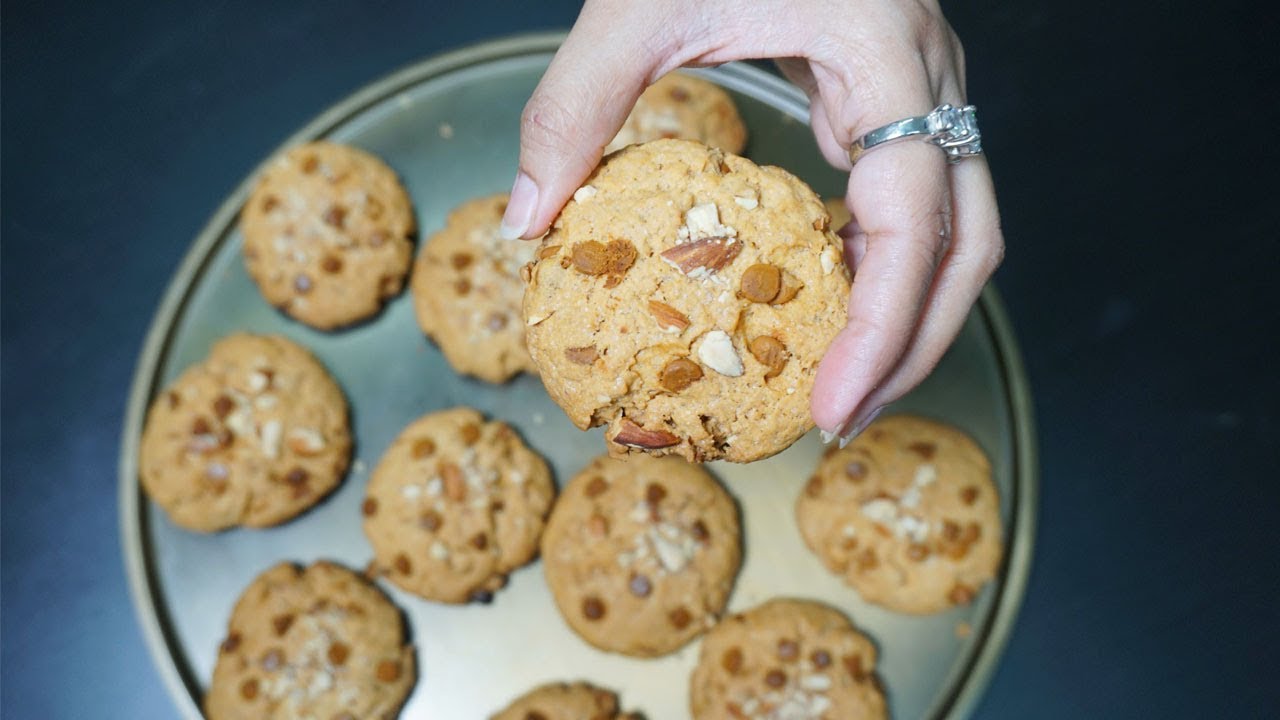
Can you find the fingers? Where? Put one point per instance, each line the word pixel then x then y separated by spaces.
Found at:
pixel 976 251
pixel 578 106
pixel 902 202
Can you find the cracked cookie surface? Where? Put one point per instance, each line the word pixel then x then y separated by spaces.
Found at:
pixel 641 553
pixel 685 107
pixel 786 658
pixel 684 298
pixel 454 505
pixel 907 514
pixel 319 642
pixel 252 435
pixel 327 234
pixel 467 292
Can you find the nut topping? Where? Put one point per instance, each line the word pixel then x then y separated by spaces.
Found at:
pixel 594 258
pixel 667 316
pixel 582 355
pixel 680 374
pixel 305 441
pixel 717 353
pixel 632 435
pixel 702 257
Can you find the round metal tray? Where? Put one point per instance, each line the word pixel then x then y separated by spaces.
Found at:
pixel 449 126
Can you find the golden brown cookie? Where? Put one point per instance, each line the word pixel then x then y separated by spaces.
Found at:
pixel 684 298
pixel 786 659
pixel 685 107
pixel 641 553
pixel 454 505
pixel 907 514
pixel 320 642
pixel 467 292
pixel 565 701
pixel 254 434
pixel 327 234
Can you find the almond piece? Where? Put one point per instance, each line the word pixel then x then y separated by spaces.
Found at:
pixel 305 441
pixel 632 435
pixel 667 316
pixel 709 254
pixel 582 355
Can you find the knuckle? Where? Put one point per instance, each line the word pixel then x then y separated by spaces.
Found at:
pixel 547 123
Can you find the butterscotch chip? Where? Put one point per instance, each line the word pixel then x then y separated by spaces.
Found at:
pixel 564 701
pixel 739 670
pixel 307 234
pixel 680 105
pixel 468 514
pixel 228 453
pixel 899 491
pixel 717 243
pixel 327 665
pixel 665 565
pixel 479 330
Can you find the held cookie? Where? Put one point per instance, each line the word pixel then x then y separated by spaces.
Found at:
pixel 641 553
pixel 467 292
pixel 786 659
pixel 684 298
pixel 327 234
pixel 454 505
pixel 253 435
pixel 565 701
pixel 320 642
pixel 907 514
pixel 685 107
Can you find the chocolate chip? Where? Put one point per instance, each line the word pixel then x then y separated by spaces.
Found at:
pixel 761 283
pixel 679 374
pixel 680 618
pixel 969 495
pixel 654 493
pixel 925 450
pixel 335 216
pixel 460 260
pixel 582 355
pixel 853 664
pixel 369 507
pixel 269 203
pixel 222 406
pixel 297 477
pixel 856 471
pixel 402 564
pixel 775 678
pixel 430 520
pixel 481 596
pixel 820 658
pixel 596 486
pixel 470 433
pixel 388 670
pixel 200 426
pixel 462 286
pixel 309 164
pixel 788 650
pixel 249 689
pixel 639 585
pixel 338 653
pixel 282 623
pixel 699 531
pixel 731 661
pixel 423 447
pixel 231 643
pixel 331 264
pixel 593 608
pixel 480 541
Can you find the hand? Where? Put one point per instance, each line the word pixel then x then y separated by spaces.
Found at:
pixel 925 235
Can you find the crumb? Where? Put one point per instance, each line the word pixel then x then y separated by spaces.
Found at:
pixel 446 131
pixel 963 630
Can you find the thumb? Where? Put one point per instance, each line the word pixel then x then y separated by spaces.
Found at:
pixel 579 105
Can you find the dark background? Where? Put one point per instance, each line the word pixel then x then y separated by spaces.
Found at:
pixel 1134 149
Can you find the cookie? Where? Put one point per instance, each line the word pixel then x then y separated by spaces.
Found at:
pixel 252 435
pixel 320 642
pixel 327 234
pixel 467 292
pixel 786 659
pixel 641 554
pixel 684 298
pixel 907 514
pixel 454 505
pixel 685 107
pixel 565 701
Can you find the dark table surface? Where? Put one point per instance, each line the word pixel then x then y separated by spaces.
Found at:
pixel 1140 279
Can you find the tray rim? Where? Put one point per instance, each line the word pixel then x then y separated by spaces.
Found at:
pixel 144 590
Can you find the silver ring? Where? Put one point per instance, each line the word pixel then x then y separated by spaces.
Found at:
pixel 955 130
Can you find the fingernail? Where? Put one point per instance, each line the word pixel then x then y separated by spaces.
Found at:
pixel 827 437
pixel 520 208
pixel 854 427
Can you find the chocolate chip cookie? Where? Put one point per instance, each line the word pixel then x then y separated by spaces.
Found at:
pixel 786 659
pixel 327 234
pixel 684 298
pixel 467 292
pixel 320 642
pixel 565 701
pixel 641 553
pixel 907 514
pixel 253 435
pixel 682 106
pixel 454 505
